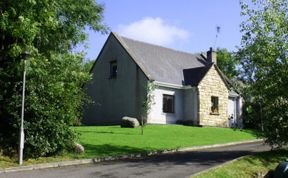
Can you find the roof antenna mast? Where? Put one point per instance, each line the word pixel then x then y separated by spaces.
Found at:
pixel 217 34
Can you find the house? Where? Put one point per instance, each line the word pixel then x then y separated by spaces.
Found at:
pixel 187 86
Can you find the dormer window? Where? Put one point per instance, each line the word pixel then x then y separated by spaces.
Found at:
pixel 113 69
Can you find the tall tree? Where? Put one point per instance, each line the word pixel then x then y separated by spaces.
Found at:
pixel 227 62
pixel 89 64
pixel 48 30
pixel 264 61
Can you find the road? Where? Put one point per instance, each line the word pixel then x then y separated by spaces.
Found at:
pixel 173 165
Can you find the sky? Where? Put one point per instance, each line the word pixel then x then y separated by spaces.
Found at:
pixel 185 25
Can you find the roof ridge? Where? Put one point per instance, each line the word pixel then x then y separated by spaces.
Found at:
pixel 151 44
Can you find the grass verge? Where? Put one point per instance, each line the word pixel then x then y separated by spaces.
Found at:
pixel 249 166
pixel 102 141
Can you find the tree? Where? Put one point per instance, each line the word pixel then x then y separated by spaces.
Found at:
pixel 147 103
pixel 227 62
pixel 264 63
pixel 48 29
pixel 89 64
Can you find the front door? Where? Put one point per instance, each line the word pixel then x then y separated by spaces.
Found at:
pixel 232 112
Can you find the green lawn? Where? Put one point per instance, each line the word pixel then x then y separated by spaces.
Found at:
pixel 113 140
pixel 249 166
pixel 102 141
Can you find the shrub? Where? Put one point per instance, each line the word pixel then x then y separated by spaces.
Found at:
pixel 186 122
pixel 48 31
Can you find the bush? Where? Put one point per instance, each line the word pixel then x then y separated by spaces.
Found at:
pixel 54 98
pixel 251 115
pixel 186 122
pixel 55 71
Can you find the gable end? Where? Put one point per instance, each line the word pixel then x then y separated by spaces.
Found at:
pixel 126 48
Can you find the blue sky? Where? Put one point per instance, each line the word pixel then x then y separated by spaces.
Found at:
pixel 185 25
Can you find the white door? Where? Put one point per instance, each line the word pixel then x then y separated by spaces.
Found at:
pixel 232 112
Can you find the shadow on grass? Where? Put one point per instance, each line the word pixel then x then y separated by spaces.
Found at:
pixel 109 132
pixel 101 132
pixel 252 132
pixel 111 150
pixel 270 157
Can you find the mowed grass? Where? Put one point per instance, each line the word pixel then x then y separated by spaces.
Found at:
pixel 114 140
pixel 100 141
pixel 249 166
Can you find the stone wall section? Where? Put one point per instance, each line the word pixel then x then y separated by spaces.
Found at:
pixel 213 85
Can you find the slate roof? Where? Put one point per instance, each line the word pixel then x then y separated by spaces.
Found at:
pixel 194 76
pixel 166 65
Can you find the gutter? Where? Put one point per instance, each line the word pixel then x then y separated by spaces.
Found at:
pixel 170 85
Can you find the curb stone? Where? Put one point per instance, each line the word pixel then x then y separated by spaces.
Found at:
pixel 217 145
pixel 120 157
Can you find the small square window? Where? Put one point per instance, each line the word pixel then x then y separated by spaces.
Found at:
pixel 113 69
pixel 168 103
pixel 214 105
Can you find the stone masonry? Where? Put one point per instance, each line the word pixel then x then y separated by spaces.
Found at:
pixel 213 85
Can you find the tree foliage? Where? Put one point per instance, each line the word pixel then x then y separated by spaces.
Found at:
pixel 89 64
pixel 48 30
pixel 147 103
pixel 227 62
pixel 264 63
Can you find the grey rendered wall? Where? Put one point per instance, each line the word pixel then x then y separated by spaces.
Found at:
pixel 114 98
pixel 190 100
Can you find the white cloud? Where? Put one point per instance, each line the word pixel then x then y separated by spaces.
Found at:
pixel 154 30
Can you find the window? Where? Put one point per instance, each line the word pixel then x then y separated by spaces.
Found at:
pixel 113 69
pixel 168 103
pixel 214 105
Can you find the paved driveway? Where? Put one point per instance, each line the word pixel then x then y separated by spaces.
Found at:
pixel 170 165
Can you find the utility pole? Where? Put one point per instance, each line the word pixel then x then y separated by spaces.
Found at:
pixel 22 136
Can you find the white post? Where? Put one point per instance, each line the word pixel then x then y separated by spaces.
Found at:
pixel 21 145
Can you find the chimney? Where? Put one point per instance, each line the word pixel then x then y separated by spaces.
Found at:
pixel 211 56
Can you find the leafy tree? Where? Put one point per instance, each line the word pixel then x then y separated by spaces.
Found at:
pixel 147 104
pixel 48 29
pixel 89 65
pixel 264 63
pixel 227 62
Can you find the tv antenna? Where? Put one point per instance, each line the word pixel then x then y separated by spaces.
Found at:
pixel 217 34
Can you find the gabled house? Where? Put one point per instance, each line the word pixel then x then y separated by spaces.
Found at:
pixel 187 86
